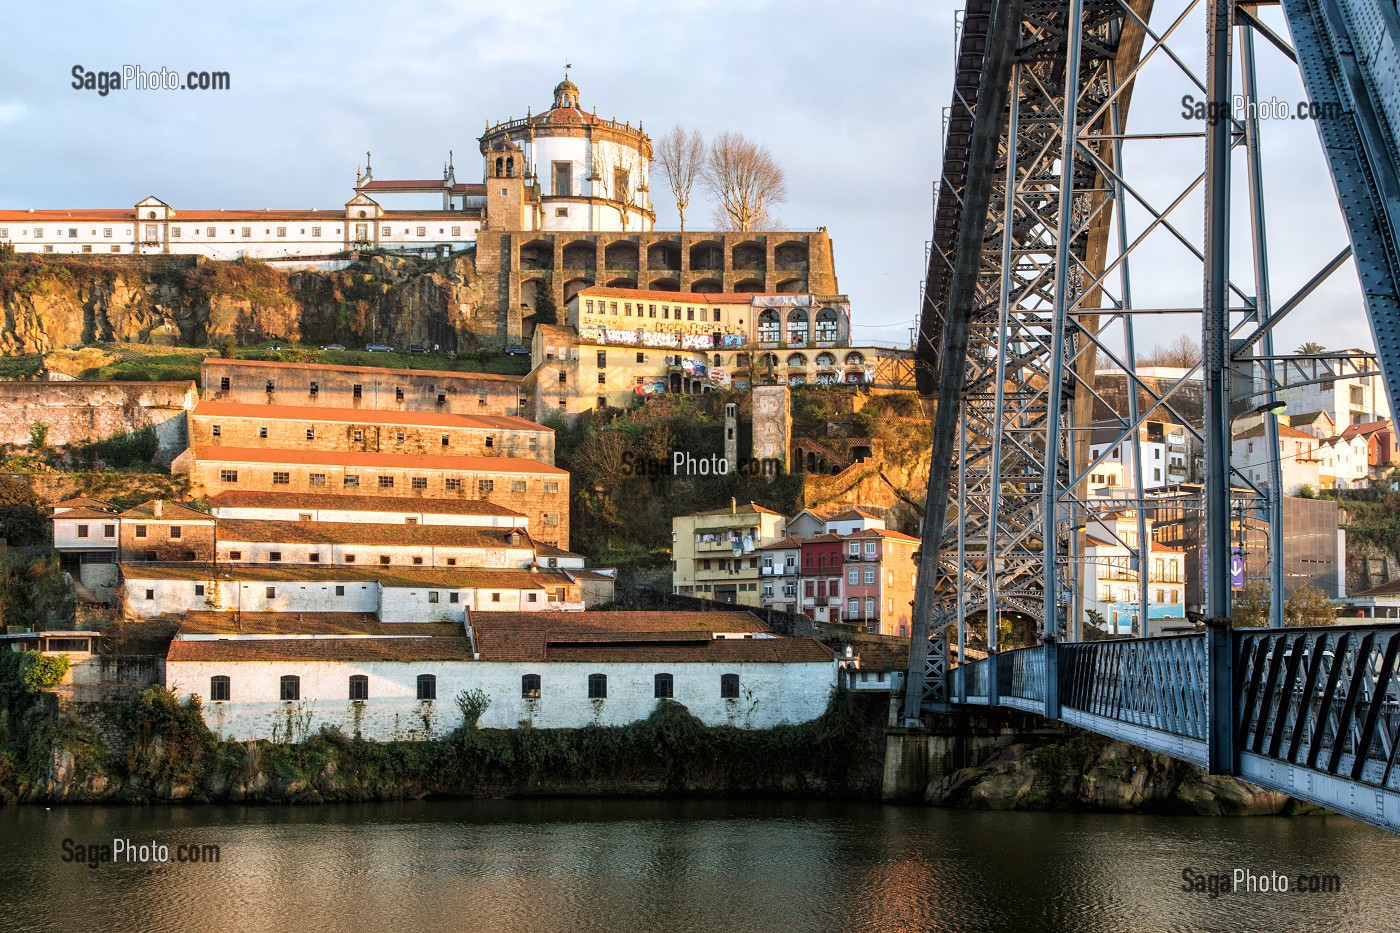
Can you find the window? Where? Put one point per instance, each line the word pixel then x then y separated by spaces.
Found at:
pixel 495 597
pixel 223 384
pixel 398 397
pixel 274 556
pixel 349 558
pixel 517 485
pixel 356 391
pixel 418 562
pixel 199 590
pixel 176 531
pixel 422 231
pixel 446 440
pixel 456 231
pixel 271 592
pixel 350 481
pixel 219 688
pixel 281 231
pixel 665 686
pixel 262 432
pixel 563 179
pixel 853 576
pixel 853 608
pixel 869 576
pixel 316 479
pixel 228 476
pixel 247 231
pixel 550 518
pixel 290 687
pixel 870 608
pixel 485 485
pixel 235 555
pixel 340 589
pixel 530 686
pixel 641 357
pixel 384 558
pixel 551 488
pixel 597 686
pixel 359 687
pixel 315 231
pixel 427 686
pixel 729 686
pixel 602 358
pixel 357 436
pixel 281 477
pixel 82 531
pixel 216 430
pixel 109 531
pixel 150 594
pixel 419 482
pixel 140 531
pixel 398 437
pixel 490 441
pixel 453 485
pixel 454 597
pixel 310 434
pixel 386 482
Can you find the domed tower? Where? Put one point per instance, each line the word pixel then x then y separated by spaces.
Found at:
pixel 578 171
pixel 505 186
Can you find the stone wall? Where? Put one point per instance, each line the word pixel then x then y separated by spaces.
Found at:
pixel 90 411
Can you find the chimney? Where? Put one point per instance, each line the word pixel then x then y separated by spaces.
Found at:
pixel 733 506
pixel 156 509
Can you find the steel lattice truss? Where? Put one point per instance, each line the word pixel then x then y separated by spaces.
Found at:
pixel 1030 262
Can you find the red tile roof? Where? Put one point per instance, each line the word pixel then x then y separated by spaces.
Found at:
pixel 209 409
pixel 85 513
pixel 397 576
pixel 1283 431
pixel 883 533
pixel 500 466
pixel 383 370
pixel 249 499
pixel 399 184
pixel 697 298
pixel 247 530
pixel 201 622
pixel 742 508
pixel 436 648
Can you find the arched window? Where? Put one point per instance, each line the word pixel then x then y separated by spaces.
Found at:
pixel 797 327
pixel 665 686
pixel 291 687
pixel 530 686
pixel 797 359
pixel 770 326
pixel 510 167
pixel 719 361
pixel 855 359
pixel 219 687
pixel 825 359
pixel 597 686
pixel 359 687
pixel 729 686
pixel 499 164
pixel 828 324
pixel 427 686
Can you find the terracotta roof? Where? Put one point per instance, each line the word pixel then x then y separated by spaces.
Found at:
pixel 79 502
pixel 631 637
pixel 549 550
pixel 208 409
pixel 1385 589
pixel 788 542
pixel 385 370
pixel 200 622
pixel 1365 428
pixel 397 576
pixel 85 513
pixel 829 538
pixel 40 216
pixel 1284 430
pixel 469 188
pixel 437 648
pixel 369 533
pixel 882 533
pixel 1308 417
pixel 742 508
pixel 248 499
pixel 696 298
pixel 129 215
pixel 494 465
pixel 815 513
pixel 170 512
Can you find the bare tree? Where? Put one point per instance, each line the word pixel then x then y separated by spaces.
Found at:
pixel 744 179
pixel 1183 352
pixel 681 156
pixel 618 168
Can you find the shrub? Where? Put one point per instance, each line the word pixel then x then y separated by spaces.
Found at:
pixel 39 671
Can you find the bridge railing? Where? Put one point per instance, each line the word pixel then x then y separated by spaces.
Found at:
pixel 1326 699
pixel 970 681
pixel 1021 678
pixel 1156 684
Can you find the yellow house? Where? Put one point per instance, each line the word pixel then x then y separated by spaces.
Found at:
pixel 715 553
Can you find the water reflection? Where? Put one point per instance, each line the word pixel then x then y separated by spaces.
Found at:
pixel 675 865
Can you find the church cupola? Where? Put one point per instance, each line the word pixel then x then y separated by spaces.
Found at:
pixel 566 95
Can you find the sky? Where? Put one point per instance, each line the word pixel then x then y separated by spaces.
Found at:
pixel 849 98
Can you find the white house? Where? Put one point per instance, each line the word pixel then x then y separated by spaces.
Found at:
pixel 1302 458
pixel 780 569
pixel 330 507
pixel 1164 453
pixel 1347 401
pixel 278 677
pixel 1111 579
pixel 372 543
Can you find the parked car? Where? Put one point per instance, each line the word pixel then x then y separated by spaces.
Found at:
pixel 378 348
pixel 334 346
pixel 417 348
pixel 517 351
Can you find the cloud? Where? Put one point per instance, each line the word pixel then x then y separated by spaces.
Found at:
pixel 12 111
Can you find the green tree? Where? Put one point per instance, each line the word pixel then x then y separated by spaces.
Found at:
pixel 1311 348
pixel 546 311
pixel 40 671
pixel 1309 605
pixel 39 435
pixel 1250 607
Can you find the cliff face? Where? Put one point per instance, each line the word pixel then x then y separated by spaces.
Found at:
pixel 46 303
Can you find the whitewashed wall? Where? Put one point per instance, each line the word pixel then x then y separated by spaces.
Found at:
pixel 366 517
pixel 260 552
pixel 769 694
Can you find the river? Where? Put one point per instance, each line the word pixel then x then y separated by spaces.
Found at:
pixel 622 866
